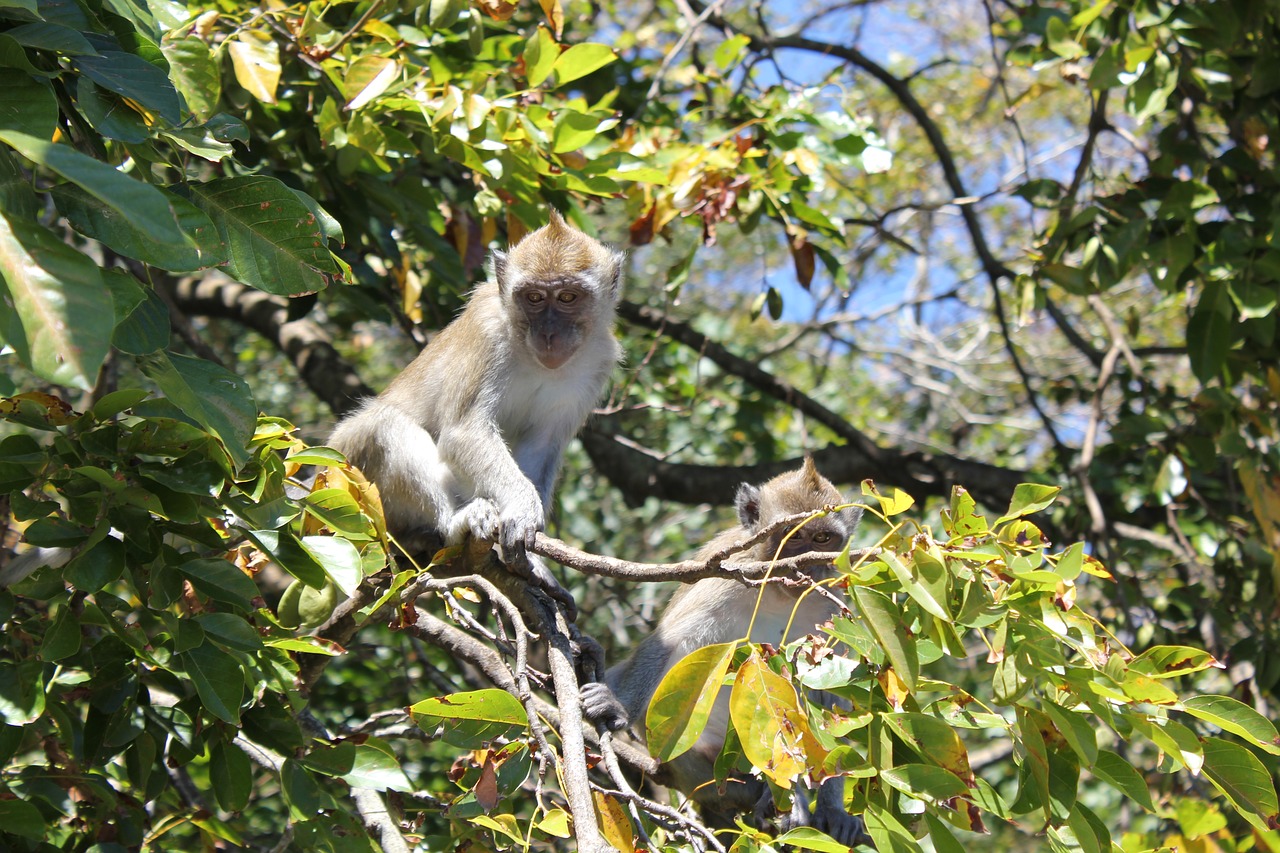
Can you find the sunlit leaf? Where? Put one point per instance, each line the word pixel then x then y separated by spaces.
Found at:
pixel 683 700
pixel 56 312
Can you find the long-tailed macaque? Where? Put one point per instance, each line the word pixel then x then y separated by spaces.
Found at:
pixel 718 610
pixel 467 441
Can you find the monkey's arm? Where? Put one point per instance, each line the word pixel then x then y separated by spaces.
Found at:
pixel 474 448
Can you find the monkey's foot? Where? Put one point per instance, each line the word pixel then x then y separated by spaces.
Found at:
pixel 531 568
pixel 601 707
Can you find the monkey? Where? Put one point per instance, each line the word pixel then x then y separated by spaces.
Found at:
pixel 467 441
pixel 718 610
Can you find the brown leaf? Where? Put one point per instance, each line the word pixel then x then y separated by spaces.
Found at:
pixel 487 787
pixel 802 255
pixel 499 10
pixel 642 228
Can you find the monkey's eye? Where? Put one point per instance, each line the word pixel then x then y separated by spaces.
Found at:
pixel 567 297
pixel 822 537
pixel 535 297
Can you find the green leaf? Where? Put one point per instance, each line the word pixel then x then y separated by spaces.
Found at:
pixel 54 309
pixel 472 718
pixel 540 54
pixel 1210 332
pixel 573 130
pixel 302 792
pixel 932 739
pixel 962 519
pixel 1168 661
pixel 1232 715
pixel 134 78
pixel 338 510
pixel 21 818
pixel 62 639
pixel 111 115
pixel 22 688
pixel 273 241
pixel 231 631
pixel 808 838
pixel 52 37
pixel 130 199
pixel 221 581
pixel 1122 776
pixel 378 770
pixel 884 619
pixel 1059 39
pixel 1028 498
pixel 231 775
pixel 682 702
pixel 218 679
pixel 285 549
pixel 1243 779
pixel 367 78
pixel 925 782
pixel 17 199
pixel 97 566
pixel 341 560
pixel 580 60
pixel 92 218
pixel 889 835
pixel 146 328
pixel 1076 730
pixel 212 396
pixel 730 51
pixel 194 73
pixel 1070 562
pixel 940 835
pixel 929 596
pixel 27 105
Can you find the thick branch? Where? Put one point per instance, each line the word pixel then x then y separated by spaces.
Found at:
pixel 303 341
pixel 639 475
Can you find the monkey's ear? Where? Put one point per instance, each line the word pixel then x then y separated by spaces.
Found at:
pixel 747 503
pixel 498 269
pixel 615 279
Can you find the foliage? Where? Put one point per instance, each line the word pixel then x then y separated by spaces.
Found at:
pixel 1055 684
pixel 223 658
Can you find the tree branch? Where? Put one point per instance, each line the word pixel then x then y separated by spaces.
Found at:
pixel 303 341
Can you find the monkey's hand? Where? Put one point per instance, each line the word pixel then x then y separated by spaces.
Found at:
pixel 479 519
pixel 601 707
pixel 519 523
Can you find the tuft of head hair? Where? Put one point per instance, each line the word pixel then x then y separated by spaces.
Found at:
pixel 557 250
pixel 800 491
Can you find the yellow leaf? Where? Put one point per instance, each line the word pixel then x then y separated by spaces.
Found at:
pixel 555 15
pixel 1263 493
pixel 257 66
pixel 771 726
pixel 614 825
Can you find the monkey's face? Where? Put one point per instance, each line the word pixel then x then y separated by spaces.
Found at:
pixel 553 316
pixel 820 534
